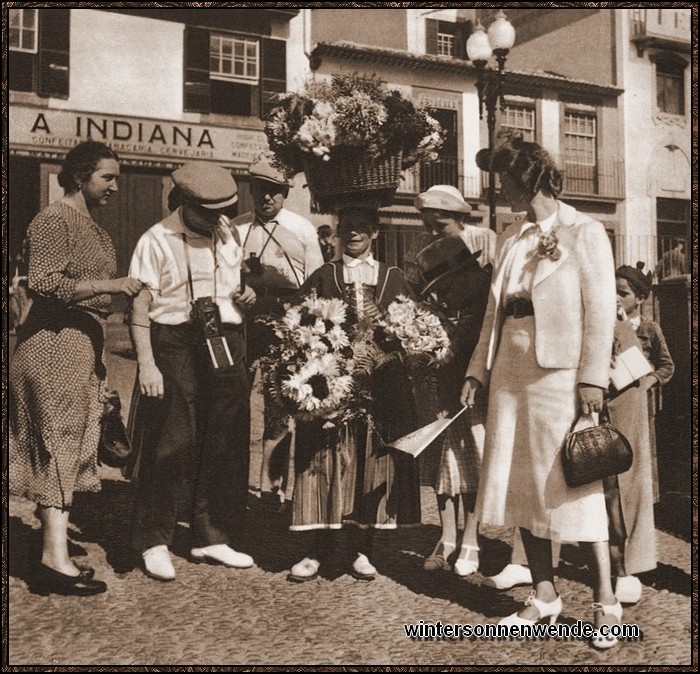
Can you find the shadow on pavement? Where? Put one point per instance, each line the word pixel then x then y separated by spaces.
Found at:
pixel 104 518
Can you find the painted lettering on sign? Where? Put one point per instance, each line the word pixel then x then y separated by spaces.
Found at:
pixel 116 129
pixel 41 130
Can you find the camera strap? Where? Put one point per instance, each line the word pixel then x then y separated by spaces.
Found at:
pixel 185 245
pixel 271 236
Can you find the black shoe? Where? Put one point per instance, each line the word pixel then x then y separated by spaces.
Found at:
pixel 50 581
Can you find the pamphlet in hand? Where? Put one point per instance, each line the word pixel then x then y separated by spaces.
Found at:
pixel 414 443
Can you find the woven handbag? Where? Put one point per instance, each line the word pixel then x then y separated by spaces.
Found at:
pixel 595 452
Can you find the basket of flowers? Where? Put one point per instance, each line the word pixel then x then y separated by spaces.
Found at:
pixel 350 135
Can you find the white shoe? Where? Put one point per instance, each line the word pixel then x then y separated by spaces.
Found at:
pixel 464 566
pixel 550 610
pixel 303 571
pixel 157 563
pixel 512 575
pixel 628 589
pixel 222 554
pixel 598 640
pixel 362 568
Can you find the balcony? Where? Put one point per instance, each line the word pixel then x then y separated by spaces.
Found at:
pixel 605 180
pixel 661 28
pixel 444 171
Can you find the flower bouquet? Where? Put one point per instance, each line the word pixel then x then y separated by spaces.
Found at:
pixel 416 330
pixel 350 135
pixel 309 369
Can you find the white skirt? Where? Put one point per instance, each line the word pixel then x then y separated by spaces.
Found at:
pixel 530 410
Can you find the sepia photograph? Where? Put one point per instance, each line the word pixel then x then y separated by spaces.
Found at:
pixel 349 335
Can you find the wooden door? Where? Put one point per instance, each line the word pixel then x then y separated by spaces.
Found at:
pixel 138 205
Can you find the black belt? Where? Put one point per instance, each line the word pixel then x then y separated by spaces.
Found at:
pixel 519 308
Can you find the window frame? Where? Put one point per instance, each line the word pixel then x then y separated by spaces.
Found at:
pixel 23 30
pixel 667 71
pixel 233 77
pixel 522 107
pixel 592 136
pixel 445 39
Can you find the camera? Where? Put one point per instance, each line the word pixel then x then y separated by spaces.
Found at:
pixel 253 265
pixel 205 314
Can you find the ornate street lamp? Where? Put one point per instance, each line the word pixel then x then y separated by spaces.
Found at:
pixel 489 84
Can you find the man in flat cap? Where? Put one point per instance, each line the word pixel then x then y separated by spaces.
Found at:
pixel 187 327
pixel 281 251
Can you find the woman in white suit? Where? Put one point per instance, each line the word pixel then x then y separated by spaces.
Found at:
pixel 544 351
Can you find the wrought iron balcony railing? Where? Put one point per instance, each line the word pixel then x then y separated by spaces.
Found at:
pixel 604 179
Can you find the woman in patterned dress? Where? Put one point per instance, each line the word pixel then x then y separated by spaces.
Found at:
pixel 57 374
pixel 457 288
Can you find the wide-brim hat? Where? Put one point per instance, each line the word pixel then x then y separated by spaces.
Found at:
pixel 207 185
pixel 444 198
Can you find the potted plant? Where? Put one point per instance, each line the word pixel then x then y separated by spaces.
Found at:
pixel 350 135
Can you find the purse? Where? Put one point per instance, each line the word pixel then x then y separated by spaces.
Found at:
pixel 594 452
pixel 114 448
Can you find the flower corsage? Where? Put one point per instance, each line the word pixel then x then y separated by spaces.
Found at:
pixel 549 245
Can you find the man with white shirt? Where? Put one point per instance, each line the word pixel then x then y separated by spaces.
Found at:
pixel 187 328
pixel 281 251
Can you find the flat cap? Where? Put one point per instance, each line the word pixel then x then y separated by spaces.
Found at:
pixel 442 197
pixel 206 184
pixel 263 169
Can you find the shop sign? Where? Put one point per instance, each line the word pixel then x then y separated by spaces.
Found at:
pixel 39 130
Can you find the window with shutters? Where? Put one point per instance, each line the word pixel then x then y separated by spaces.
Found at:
pixel 232 74
pixel 23 30
pixel 443 38
pixel 39 54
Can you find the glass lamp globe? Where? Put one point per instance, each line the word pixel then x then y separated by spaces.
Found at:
pixel 501 34
pixel 478 45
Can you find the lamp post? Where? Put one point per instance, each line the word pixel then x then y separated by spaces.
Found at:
pixel 489 83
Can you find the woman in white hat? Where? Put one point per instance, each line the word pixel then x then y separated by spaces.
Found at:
pixel 457 287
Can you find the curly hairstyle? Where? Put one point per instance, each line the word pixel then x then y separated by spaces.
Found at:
pixel 528 165
pixel 638 281
pixel 82 161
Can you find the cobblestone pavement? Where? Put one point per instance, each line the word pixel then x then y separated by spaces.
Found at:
pixel 215 616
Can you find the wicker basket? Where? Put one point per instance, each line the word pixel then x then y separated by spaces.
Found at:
pixel 344 179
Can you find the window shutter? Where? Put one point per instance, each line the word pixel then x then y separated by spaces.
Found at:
pixel 431 36
pixel 20 69
pixel 197 94
pixel 463 30
pixel 274 72
pixel 53 56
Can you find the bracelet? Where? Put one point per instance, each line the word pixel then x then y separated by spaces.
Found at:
pixel 92 287
pixel 139 325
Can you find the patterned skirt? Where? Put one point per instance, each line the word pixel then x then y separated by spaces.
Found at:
pixel 55 409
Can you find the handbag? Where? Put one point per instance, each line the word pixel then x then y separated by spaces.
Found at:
pixel 594 452
pixel 114 448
